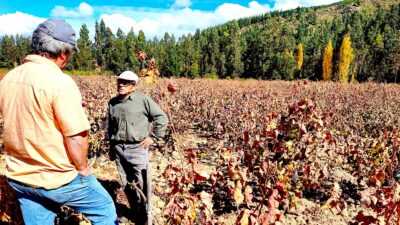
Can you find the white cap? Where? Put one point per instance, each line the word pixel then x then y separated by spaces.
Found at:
pixel 128 75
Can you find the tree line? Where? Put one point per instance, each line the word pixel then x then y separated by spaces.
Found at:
pixel 344 42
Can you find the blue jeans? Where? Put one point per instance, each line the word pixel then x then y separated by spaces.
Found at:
pixel 84 194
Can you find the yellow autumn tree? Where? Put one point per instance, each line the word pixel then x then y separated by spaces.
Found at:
pixel 346 57
pixel 379 41
pixel 327 62
pixel 300 56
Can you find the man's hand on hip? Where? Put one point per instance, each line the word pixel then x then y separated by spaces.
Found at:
pixel 145 144
pixel 85 172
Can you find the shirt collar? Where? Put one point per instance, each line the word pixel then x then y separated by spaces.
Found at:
pixel 41 60
pixel 130 97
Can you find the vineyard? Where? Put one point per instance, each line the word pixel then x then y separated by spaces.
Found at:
pixel 258 152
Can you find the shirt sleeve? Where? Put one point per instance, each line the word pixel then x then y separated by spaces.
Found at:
pixel 109 127
pixel 159 118
pixel 68 110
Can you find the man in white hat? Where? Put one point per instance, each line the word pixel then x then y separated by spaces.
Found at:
pixel 131 115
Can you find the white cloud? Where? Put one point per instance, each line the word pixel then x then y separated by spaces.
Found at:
pixel 25 24
pixel 286 4
pixel 307 3
pixel 229 11
pixel 178 21
pixel 84 10
pixel 291 4
pixel 181 4
pixel 152 21
pixel 18 23
pixel 183 20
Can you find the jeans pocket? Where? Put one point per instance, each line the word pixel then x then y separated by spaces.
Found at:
pixel 86 180
pixel 15 186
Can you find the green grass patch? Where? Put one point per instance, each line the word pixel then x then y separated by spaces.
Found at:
pixel 211 76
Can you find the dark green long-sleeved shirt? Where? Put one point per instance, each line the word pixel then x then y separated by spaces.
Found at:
pixel 130 120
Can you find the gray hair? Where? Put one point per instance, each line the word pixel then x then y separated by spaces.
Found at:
pixel 42 43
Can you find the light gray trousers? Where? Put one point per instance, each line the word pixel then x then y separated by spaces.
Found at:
pixel 133 166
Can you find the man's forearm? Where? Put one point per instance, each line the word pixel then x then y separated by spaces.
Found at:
pixel 161 123
pixel 77 146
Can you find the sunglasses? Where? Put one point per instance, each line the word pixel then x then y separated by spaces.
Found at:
pixel 126 82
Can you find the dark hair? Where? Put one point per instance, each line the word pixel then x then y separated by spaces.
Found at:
pixel 42 43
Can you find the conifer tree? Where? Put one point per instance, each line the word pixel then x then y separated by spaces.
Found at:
pixel 99 43
pixel 141 42
pixel 7 55
pixel 22 48
pixel 188 56
pixel 327 62
pixel 83 60
pixel 118 54
pixel 233 64
pixel 109 46
pixel 346 57
pixel 214 52
pixel 252 55
pixel 172 63
pixel 130 45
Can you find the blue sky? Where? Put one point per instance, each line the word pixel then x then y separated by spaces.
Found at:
pixel 154 17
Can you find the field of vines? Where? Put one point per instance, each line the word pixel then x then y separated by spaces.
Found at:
pixel 257 152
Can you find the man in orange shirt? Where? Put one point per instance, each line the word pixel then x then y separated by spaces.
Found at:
pixel 46 133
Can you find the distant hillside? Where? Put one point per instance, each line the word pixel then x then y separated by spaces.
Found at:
pixel 348 41
pixel 326 12
pixel 270 47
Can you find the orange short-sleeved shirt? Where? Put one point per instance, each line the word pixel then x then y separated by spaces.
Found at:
pixel 40 106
